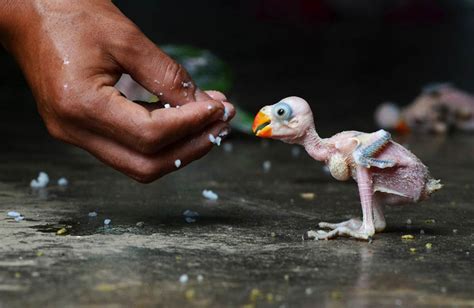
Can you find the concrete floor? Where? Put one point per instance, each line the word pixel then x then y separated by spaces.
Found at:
pixel 247 245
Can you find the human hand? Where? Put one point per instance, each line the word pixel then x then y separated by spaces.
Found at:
pixel 72 54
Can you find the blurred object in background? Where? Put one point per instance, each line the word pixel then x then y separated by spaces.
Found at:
pixel 208 72
pixel 439 108
pixel 416 11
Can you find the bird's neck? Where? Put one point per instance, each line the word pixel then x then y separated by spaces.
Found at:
pixel 315 145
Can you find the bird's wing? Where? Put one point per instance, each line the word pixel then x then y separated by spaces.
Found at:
pixel 368 145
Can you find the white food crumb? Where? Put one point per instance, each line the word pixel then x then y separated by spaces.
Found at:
pixel 228 147
pixel 409 221
pixel 295 151
pixel 107 222
pixel 209 194
pixel 92 214
pixel 156 81
pixel 177 106
pixel 308 291
pixel 215 140
pixel 455 230
pixel 13 214
pixel 160 94
pixel 183 278
pixel 65 86
pixel 212 139
pixel 190 216
pixel 267 165
pixel 200 278
pixel 209 107
pixel 225 117
pixel 66 62
pixel 186 84
pixel 63 182
pixel 224 133
pixel 177 163
pixel 19 218
pixel 41 181
pixel 167 106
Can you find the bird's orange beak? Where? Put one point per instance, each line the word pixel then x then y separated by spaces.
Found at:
pixel 402 127
pixel 261 125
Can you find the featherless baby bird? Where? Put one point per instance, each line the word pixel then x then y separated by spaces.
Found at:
pixel 385 171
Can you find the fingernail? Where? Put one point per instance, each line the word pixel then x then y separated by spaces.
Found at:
pixel 229 112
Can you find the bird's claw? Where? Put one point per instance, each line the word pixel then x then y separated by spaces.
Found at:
pixel 351 228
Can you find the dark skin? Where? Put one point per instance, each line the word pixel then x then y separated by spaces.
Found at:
pixel 73 52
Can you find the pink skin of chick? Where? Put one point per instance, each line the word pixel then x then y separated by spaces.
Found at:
pixel 385 171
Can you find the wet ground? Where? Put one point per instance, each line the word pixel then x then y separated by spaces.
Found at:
pixel 246 248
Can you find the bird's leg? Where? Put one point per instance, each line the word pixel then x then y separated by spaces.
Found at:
pixel 356 223
pixel 354 228
pixel 379 219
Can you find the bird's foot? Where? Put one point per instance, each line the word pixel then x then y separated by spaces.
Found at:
pixel 353 223
pixel 350 229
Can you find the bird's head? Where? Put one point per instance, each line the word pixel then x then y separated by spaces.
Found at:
pixel 288 120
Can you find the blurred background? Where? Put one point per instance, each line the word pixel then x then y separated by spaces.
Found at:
pixel 345 57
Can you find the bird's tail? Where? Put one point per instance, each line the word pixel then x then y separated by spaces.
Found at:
pixel 432 185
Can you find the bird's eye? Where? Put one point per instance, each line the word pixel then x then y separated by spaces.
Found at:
pixel 282 111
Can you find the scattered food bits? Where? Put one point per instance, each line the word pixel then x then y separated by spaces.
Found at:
pixel 40 182
pixel 177 163
pixel 63 182
pixel 408 237
pixel 295 151
pixel 225 116
pixel 200 278
pixel 267 165
pixel 255 294
pixel 269 297
pixel 223 133
pixel 19 218
pixel 212 139
pixel 190 216
pixel 412 250
pixel 215 140
pixel 167 106
pixel 455 231
pixel 336 295
pixel 228 147
pixel 186 84
pixel 140 224
pixel 189 294
pixel 409 221
pixel 62 231
pixel 428 245
pixel 273 234
pixel 430 221
pixel 107 221
pixel 308 291
pixel 286 277
pixel 422 231
pixel 210 195
pixel 13 214
pixel 92 214
pixel 308 196
pixel 183 278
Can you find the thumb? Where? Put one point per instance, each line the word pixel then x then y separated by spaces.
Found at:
pixel 158 73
